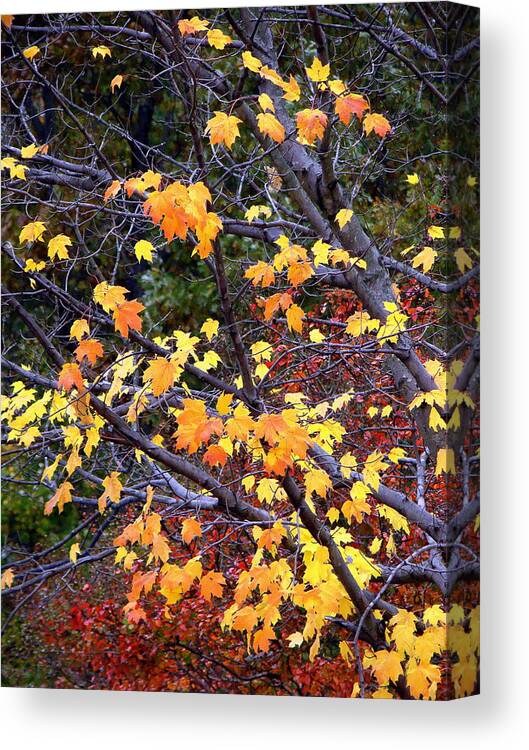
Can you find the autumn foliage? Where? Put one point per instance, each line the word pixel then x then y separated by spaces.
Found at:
pixel 241 351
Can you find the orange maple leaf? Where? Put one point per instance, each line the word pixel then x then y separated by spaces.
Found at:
pixel 245 619
pixel 260 273
pixel 299 272
pixel 211 585
pixel 191 529
pixel 89 348
pixel 126 316
pixel 281 300
pixel 162 373
pixel 311 125
pixel 215 455
pixel 271 427
pixel 378 123
pixel 262 638
pixel 70 377
pixel 349 105
pixel 112 190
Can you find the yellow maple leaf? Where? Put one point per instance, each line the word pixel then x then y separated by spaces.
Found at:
pixel 28 152
pixel 425 259
pixel 343 217
pixel 445 461
pixel 109 296
pixel 210 327
pixel 346 653
pixel 162 374
pixel 295 639
pixel 31 52
pixel 337 86
pixel 32 232
pixel 412 179
pixel 421 678
pixel 31 266
pixel 295 317
pixel 112 490
pixel 143 250
pixel 224 403
pixel 239 426
pixel 266 103
pixel 223 128
pixel 75 551
pixel 386 665
pixel 62 496
pixel 58 247
pixel 103 51
pixel 270 126
pixel 251 62
pixel 318 72
pixel 217 39
pixel 463 259
pixel 255 211
pixel 436 233
pixel 317 481
pixel 292 91
pixel 355 508
pixel 16 170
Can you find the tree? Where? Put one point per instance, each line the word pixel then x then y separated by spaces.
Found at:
pixel 295 444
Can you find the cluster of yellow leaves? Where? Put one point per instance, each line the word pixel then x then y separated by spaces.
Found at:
pixel 393 326
pixel 262 589
pixel 24 410
pixel 417 649
pixel 17 170
pixel 254 212
pixel 291 89
pixel 445 400
pixel 216 38
pixel 57 245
